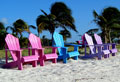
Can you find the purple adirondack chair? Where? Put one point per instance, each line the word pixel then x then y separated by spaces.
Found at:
pixel 95 50
pixel 38 50
pixel 108 45
pixel 12 44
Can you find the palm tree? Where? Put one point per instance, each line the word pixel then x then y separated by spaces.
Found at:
pixel 63 15
pixel 92 31
pixel 108 21
pixel 46 22
pixel 20 26
pixel 60 16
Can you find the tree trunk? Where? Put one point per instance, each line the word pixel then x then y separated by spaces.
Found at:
pixel 38 33
pixel 52 37
pixel 107 32
pixel 109 36
pixel 105 35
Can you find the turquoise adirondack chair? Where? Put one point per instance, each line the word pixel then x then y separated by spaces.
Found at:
pixel 95 49
pixel 38 50
pixel 62 50
pixel 108 45
pixel 12 44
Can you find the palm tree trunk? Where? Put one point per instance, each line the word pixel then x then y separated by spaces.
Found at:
pixel 52 37
pixel 105 38
pixel 105 33
pixel 38 33
pixel 52 40
pixel 109 36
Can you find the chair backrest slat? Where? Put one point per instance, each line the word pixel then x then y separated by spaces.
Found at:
pixel 98 39
pixel 90 42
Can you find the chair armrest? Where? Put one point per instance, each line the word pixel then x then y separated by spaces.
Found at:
pixel 60 47
pixel 40 51
pixel 96 45
pixel 111 44
pixel 36 48
pixel 15 50
pixel 74 45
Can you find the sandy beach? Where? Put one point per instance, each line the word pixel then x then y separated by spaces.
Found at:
pixel 91 70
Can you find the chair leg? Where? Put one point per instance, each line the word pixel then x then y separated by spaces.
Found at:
pixel 65 60
pixel 20 65
pixel 99 57
pixel 54 60
pixel 76 58
pixel 42 62
pixel 106 56
pixel 113 54
pixel 34 63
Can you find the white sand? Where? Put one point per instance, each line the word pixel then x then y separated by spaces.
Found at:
pixel 92 70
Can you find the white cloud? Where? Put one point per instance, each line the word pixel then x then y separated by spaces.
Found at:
pixel 4 20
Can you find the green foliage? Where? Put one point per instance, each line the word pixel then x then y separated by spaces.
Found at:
pixel 60 16
pixel 46 22
pixel 46 42
pixel 92 31
pixel 20 26
pixel 63 15
pixel 23 42
pixel 109 21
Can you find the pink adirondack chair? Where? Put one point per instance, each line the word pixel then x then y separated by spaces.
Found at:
pixel 38 50
pixel 108 45
pixel 12 44
pixel 95 50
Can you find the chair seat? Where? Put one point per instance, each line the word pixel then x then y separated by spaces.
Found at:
pixel 29 58
pixel 51 56
pixel 73 53
pixel 106 51
pixel 113 50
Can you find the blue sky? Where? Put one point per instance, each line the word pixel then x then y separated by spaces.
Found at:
pixel 29 10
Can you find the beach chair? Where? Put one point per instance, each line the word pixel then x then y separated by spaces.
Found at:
pixel 37 49
pixel 62 50
pixel 110 46
pixel 95 50
pixel 12 44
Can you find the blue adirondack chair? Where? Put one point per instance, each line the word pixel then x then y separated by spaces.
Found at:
pixel 95 49
pixel 62 50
